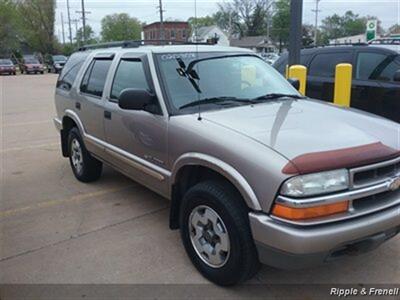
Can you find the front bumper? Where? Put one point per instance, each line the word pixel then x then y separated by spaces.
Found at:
pixel 58 124
pixel 289 246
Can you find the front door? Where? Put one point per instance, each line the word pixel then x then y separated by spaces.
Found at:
pixel 137 139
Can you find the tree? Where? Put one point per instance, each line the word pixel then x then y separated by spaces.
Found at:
pixel 89 36
pixel 281 23
pixel 119 27
pixel 200 22
pixel 8 28
pixel 349 24
pixel 245 17
pixel 395 29
pixel 36 19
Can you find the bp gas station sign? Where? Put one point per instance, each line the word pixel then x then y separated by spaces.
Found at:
pixel 371 30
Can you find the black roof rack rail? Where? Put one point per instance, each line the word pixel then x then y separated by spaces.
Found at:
pixel 138 43
pixel 336 45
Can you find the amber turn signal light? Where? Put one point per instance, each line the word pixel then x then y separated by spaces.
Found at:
pixel 304 213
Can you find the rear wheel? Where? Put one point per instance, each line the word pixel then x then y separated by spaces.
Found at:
pixel 85 167
pixel 216 233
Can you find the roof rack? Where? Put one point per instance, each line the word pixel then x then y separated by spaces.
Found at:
pixel 336 45
pixel 138 43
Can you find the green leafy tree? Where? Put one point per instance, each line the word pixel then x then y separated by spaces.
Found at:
pixel 119 27
pixel 281 23
pixel 9 27
pixel 85 36
pixel 36 19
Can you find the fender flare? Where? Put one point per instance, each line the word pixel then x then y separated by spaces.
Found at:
pixel 226 170
pixel 71 114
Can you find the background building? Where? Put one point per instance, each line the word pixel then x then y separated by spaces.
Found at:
pixel 206 33
pixel 174 31
pixel 259 44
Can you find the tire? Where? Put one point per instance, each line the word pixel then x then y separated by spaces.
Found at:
pixel 85 167
pixel 42 72
pixel 14 73
pixel 225 205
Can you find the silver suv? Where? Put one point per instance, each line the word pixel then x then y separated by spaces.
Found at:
pixel 254 171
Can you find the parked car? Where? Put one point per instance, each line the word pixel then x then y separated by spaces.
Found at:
pixel 31 65
pixel 254 171
pixel 376 76
pixel 270 58
pixel 7 67
pixel 56 63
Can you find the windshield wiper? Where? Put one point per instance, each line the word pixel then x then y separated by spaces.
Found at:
pixel 216 100
pixel 273 96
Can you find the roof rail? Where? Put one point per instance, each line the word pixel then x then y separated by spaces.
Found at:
pixel 138 43
pixel 336 45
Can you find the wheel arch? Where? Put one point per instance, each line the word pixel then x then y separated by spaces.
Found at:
pixel 69 120
pixel 191 168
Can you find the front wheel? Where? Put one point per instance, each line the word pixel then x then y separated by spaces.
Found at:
pixel 85 167
pixel 216 233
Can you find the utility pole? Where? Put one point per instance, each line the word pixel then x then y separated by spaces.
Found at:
pixel 84 13
pixel 62 28
pixel 296 15
pixel 162 33
pixel 316 11
pixel 69 23
pixel 76 21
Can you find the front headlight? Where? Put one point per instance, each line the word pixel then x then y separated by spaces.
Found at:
pixel 316 184
pixel 57 65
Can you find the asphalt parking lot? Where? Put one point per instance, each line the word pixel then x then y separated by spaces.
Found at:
pixel 55 229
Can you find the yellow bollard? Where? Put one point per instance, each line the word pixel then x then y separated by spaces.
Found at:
pixel 343 77
pixel 299 72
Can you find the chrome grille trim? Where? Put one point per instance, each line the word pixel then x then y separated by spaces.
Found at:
pixel 373 167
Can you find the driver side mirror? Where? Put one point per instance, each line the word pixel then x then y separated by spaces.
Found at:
pixel 294 82
pixel 135 99
pixel 396 76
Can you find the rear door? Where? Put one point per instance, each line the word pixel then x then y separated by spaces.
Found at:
pixel 90 103
pixel 374 89
pixel 321 73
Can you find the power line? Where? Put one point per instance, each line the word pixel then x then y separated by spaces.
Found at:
pixel 316 11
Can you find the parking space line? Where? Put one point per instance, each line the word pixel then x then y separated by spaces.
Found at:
pixel 28 147
pixel 77 198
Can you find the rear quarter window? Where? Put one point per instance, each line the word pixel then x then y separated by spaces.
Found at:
pixel 71 70
pixel 324 64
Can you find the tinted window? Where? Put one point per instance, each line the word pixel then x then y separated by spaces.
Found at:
pixel 324 64
pixel 281 63
pixel 70 70
pixel 376 66
pixel 95 77
pixel 130 74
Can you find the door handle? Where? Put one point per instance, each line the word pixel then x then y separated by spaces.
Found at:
pixel 77 105
pixel 107 114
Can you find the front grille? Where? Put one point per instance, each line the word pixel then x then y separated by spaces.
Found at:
pixel 376 173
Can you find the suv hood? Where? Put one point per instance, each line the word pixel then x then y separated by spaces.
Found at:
pixel 313 133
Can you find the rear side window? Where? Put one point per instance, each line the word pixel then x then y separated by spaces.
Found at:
pixel 376 66
pixel 70 70
pixel 324 64
pixel 95 77
pixel 130 74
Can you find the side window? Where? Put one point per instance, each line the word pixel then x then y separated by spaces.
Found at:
pixel 70 70
pixel 324 64
pixel 376 66
pixel 95 77
pixel 129 74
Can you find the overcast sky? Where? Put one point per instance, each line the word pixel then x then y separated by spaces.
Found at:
pixel 388 11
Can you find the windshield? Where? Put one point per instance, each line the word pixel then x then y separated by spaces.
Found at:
pixel 31 61
pixel 6 62
pixel 227 76
pixel 59 58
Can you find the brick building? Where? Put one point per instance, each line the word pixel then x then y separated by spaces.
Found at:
pixel 174 31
